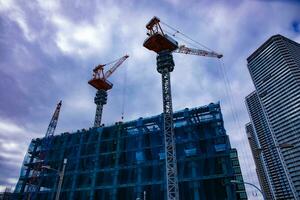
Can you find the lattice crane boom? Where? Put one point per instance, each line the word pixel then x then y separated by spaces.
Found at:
pixel 109 72
pixel 198 52
pixel 53 122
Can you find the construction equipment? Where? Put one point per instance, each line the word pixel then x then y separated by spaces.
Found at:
pixel 100 82
pixel 34 183
pixel 197 52
pixel 53 122
pixel 164 46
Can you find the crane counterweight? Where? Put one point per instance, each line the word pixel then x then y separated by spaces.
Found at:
pixel 101 84
pixel 158 42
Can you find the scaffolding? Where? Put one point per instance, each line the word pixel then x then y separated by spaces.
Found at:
pixel 126 160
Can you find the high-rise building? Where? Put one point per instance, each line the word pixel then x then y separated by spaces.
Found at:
pixel 264 179
pixel 126 160
pixel 274 109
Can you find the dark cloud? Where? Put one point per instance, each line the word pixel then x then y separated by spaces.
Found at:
pixel 296 26
pixel 12 94
pixel 8 170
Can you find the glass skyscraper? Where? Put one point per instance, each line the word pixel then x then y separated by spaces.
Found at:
pixel 264 179
pixel 274 109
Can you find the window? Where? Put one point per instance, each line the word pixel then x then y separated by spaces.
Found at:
pixel 266 78
pixel 190 151
pixel 264 93
pixel 139 156
pixel 220 147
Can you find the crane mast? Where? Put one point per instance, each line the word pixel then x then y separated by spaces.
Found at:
pixel 100 82
pixel 100 100
pixel 164 46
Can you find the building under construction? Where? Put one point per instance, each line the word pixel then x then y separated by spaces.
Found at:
pixel 126 160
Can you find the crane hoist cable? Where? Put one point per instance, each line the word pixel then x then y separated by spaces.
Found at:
pixel 188 37
pixel 228 88
pixel 229 95
pixel 184 40
pixel 225 77
pixel 124 94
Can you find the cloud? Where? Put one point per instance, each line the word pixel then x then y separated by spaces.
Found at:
pixel 84 38
pixel 15 13
pixel 14 140
pixel 9 127
pixel 49 6
pixel 81 39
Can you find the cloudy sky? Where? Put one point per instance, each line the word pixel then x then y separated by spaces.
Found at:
pixel 48 49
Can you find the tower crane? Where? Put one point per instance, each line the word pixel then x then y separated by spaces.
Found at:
pixel 164 46
pixel 100 82
pixel 34 182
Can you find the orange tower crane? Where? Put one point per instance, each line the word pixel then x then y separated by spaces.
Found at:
pixel 164 46
pixel 100 82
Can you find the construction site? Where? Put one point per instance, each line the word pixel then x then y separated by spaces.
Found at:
pixel 174 155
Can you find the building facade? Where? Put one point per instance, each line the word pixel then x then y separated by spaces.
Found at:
pixel 274 109
pixel 126 160
pixel 261 165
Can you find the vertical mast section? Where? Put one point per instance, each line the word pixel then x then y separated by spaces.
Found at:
pixel 100 100
pixel 165 65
